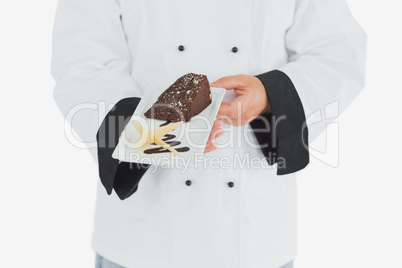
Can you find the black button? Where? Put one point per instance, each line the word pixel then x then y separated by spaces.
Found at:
pixel 235 49
pixel 231 184
pixel 181 48
pixel 188 182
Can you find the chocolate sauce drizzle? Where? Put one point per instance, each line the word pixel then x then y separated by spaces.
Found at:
pixel 165 124
pixel 167 139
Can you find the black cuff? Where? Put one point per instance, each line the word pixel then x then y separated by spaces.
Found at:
pixel 282 135
pixel 123 177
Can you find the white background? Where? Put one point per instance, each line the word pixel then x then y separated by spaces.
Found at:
pixel 349 216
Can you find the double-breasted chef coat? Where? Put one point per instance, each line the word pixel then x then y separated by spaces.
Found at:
pixel 105 51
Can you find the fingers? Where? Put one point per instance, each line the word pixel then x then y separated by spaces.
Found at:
pixel 232 113
pixel 217 124
pixel 250 102
pixel 216 132
pixel 225 110
pixel 212 146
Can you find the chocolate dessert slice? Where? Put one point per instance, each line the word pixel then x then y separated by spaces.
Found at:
pixel 185 98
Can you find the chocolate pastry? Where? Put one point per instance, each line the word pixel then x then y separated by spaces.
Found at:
pixel 185 98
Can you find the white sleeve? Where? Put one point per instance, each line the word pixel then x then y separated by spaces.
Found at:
pixel 90 63
pixel 327 53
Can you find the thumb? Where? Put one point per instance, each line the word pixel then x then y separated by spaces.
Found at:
pixel 230 82
pixel 225 110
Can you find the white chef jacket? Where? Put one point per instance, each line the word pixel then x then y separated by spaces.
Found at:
pixel 108 50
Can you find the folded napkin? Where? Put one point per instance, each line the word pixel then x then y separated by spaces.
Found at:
pixel 123 177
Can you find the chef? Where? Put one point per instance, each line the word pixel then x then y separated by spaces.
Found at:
pixel 280 61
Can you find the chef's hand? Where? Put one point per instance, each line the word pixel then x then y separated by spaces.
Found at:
pixel 216 132
pixel 251 99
